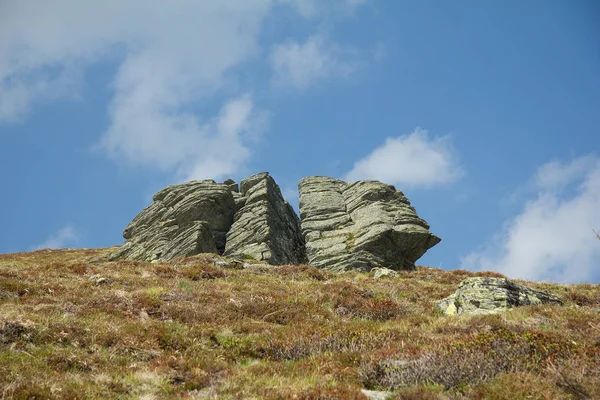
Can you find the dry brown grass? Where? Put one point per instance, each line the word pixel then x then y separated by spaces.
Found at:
pixel 190 329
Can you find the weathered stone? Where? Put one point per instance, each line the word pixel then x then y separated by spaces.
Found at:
pixel 232 185
pixel 266 228
pixel 99 280
pixel 230 263
pixel 183 220
pixel 492 295
pixel 384 273
pixel 207 217
pixel 362 225
pixel 376 394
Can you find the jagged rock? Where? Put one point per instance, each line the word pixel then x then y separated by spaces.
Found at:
pixel 266 228
pixel 183 220
pixel 361 225
pixel 252 221
pixel 492 295
pixel 384 273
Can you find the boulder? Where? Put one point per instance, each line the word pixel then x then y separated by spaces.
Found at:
pixel 361 225
pixel 376 394
pixel 379 273
pixel 492 295
pixel 182 221
pixel 251 221
pixel 265 228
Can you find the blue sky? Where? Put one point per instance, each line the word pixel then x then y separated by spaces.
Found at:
pixel 486 114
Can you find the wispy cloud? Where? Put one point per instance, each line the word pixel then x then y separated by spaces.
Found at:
pixel 176 60
pixel 314 8
pixel 300 65
pixel 412 160
pixel 64 237
pixel 552 237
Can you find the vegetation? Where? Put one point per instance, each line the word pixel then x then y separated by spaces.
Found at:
pixel 75 326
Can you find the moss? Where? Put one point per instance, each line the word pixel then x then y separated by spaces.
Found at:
pixel 350 239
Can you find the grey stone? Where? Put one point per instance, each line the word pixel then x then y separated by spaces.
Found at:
pixel 265 228
pixel 384 273
pixel 252 221
pixel 183 220
pixel 228 263
pixel 221 263
pixel 492 295
pixel 232 185
pixel 361 225
pixel 98 280
pixel 376 394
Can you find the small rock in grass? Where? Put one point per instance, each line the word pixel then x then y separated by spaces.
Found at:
pixel 479 295
pixel 99 280
pixel 376 394
pixel 384 273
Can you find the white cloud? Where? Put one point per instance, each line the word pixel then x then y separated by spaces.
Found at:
pixel 213 149
pixel 299 65
pixel 413 160
pixel 313 8
pixel 174 54
pixel 552 238
pixel 66 236
pixel 556 175
pixel 175 58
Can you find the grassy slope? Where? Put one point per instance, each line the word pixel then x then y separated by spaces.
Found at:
pixel 189 329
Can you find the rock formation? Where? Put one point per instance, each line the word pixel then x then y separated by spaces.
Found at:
pixel 183 220
pixel 266 226
pixel 209 217
pixel 361 225
pixel 492 295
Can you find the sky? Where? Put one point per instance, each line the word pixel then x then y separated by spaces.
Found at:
pixel 485 114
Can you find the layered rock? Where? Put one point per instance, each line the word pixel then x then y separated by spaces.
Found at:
pixel 360 225
pixel 492 295
pixel 209 217
pixel 183 220
pixel 266 227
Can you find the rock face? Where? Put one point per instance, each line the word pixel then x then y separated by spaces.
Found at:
pixel 361 225
pixel 492 295
pixel 209 217
pixel 183 220
pixel 266 227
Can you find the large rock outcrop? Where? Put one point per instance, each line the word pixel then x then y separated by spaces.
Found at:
pixel 183 220
pixel 209 217
pixel 492 295
pixel 266 226
pixel 360 225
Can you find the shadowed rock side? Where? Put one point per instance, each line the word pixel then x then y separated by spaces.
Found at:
pixel 492 295
pixel 266 226
pixel 362 225
pixel 183 220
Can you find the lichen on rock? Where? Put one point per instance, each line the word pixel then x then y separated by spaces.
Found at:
pixel 182 221
pixel 492 295
pixel 249 221
pixel 266 228
pixel 360 226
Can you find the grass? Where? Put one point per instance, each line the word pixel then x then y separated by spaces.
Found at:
pixel 188 329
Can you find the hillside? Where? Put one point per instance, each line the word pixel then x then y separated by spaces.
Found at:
pixel 73 325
